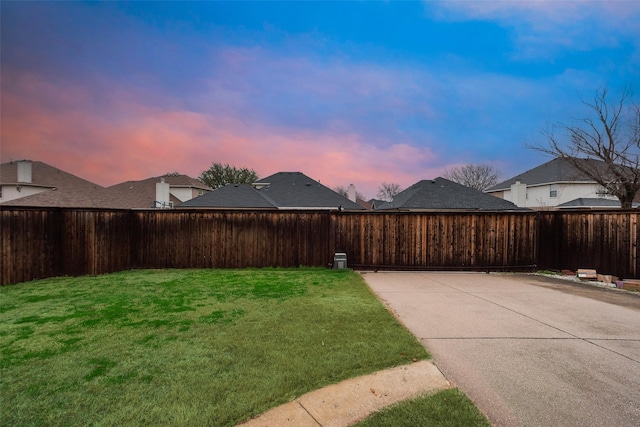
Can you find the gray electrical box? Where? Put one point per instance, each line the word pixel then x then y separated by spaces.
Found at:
pixel 339 260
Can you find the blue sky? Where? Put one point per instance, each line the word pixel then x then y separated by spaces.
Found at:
pixel 346 92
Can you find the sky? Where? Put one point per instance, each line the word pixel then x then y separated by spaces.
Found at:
pixel 347 92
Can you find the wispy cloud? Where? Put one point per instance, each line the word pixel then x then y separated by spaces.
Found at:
pixel 543 27
pixel 311 92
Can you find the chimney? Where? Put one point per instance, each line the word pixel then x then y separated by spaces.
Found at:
pixel 519 194
pixel 25 169
pixel 351 193
pixel 162 194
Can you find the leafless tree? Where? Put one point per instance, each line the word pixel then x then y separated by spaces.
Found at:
pixel 387 191
pixel 609 138
pixel 343 191
pixel 479 177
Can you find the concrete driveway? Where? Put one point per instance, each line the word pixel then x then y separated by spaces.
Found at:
pixel 528 350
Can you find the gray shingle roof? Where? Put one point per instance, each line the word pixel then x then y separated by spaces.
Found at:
pixel 285 190
pixel 592 202
pixel 296 190
pixel 44 175
pixel 231 195
pixel 70 191
pixel 442 194
pixel 556 170
pixel 62 189
pixel 142 194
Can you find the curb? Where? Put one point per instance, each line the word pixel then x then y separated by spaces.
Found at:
pixel 353 400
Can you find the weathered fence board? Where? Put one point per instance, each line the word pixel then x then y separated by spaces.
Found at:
pixel 436 240
pixel 605 241
pixel 29 245
pixel 95 242
pixel 232 239
pixel 38 243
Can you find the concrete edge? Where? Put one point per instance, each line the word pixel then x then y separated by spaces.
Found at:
pixel 353 400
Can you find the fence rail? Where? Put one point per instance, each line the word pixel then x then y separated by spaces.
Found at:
pixel 45 242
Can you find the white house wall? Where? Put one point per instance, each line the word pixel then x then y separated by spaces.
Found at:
pixel 539 196
pixel 10 192
pixel 184 193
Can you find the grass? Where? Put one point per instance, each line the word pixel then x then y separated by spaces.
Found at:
pixel 548 272
pixel 447 408
pixel 186 347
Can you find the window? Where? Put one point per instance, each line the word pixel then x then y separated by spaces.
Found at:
pixel 602 192
pixel 553 190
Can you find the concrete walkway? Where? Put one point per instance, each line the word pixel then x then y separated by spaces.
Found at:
pixel 353 400
pixel 527 350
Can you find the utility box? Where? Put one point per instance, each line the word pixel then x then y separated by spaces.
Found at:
pixel 587 274
pixel 339 261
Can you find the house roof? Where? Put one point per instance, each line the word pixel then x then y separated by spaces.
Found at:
pixel 177 180
pixel 284 190
pixel 72 192
pixel 296 190
pixel 61 188
pixel 379 204
pixel 557 170
pixel 592 202
pixel 142 194
pixel 43 175
pixel 368 205
pixel 442 194
pixel 232 195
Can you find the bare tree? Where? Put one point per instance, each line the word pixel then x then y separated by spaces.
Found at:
pixel 387 191
pixel 609 140
pixel 219 175
pixel 344 191
pixel 479 177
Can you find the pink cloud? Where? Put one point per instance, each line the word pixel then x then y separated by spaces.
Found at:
pixel 121 140
pixel 342 159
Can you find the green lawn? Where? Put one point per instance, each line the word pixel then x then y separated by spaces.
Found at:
pixel 186 347
pixel 447 408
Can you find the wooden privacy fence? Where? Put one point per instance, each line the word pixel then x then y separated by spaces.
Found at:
pixel 230 239
pixel 436 240
pixel 46 242
pixel 606 241
pixel 39 243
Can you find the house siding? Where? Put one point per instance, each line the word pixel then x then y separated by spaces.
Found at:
pixel 538 197
pixel 10 192
pixel 182 194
